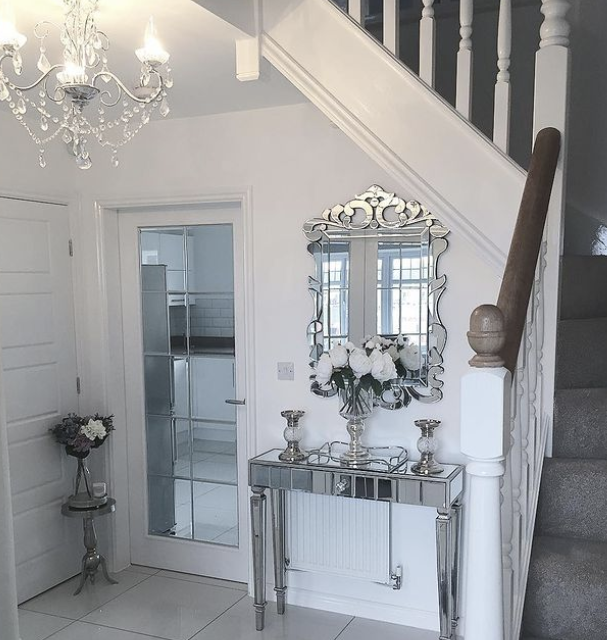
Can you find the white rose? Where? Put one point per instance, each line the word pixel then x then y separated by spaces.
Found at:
pixel 409 356
pixel 401 340
pixel 393 352
pixel 384 369
pixel 339 356
pixel 324 370
pixel 93 429
pixel 360 363
pixel 350 346
pixel 370 345
pixel 376 354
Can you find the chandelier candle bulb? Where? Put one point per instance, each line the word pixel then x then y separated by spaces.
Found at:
pixel 9 36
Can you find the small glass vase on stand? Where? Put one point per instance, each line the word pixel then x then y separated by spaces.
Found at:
pixel 293 435
pixel 83 497
pixel 357 405
pixel 427 446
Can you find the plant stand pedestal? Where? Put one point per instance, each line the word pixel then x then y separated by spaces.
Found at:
pixel 92 559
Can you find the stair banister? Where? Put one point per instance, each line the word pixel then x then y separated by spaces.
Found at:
pixel 519 272
pixel 495 336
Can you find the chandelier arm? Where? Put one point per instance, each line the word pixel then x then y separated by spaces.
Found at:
pixel 46 24
pixel 29 87
pixel 122 87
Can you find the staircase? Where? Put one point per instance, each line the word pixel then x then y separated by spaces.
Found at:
pixel 433 151
pixel 567 588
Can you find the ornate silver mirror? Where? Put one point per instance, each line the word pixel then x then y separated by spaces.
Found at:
pixel 377 259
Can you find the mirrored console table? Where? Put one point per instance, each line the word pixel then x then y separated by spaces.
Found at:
pixel 391 482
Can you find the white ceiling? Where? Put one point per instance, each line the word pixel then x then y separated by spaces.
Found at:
pixel 201 46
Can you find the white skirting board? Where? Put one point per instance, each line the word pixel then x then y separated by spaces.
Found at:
pixel 339 536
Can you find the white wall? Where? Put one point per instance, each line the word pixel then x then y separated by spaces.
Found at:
pixel 296 164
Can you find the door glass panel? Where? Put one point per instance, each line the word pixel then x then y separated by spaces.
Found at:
pixel 187 283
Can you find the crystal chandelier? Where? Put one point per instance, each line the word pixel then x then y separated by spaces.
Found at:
pixel 80 98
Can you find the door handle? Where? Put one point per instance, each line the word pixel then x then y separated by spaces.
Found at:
pixel 236 402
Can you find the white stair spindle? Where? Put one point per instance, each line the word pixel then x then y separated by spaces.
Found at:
pixel 485 427
pixel 555 29
pixel 427 38
pixel 463 93
pixel 355 9
pixel 391 26
pixel 501 116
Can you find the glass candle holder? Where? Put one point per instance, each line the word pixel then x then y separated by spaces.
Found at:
pixel 427 446
pixel 293 435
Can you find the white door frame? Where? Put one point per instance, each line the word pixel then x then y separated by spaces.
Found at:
pixel 106 226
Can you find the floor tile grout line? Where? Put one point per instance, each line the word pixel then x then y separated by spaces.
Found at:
pixel 206 584
pixel 107 626
pixel 350 621
pixel 60 630
pixel 116 596
pixel 219 616
pixel 40 613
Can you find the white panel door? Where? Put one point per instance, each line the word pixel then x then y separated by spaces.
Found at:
pixel 37 337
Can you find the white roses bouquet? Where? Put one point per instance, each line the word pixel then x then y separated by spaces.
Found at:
pixel 374 365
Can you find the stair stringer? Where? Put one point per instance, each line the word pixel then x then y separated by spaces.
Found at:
pixel 398 120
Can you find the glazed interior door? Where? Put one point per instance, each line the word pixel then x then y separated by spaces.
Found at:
pixel 39 373
pixel 182 295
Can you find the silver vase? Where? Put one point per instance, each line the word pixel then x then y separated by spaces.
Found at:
pixel 357 405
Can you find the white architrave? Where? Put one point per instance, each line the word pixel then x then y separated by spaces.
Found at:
pixel 502 107
pixel 463 91
pixel 9 618
pixel 484 435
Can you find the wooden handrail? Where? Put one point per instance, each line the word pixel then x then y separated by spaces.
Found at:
pixel 519 274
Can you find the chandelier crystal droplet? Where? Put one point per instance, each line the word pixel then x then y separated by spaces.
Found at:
pixel 79 98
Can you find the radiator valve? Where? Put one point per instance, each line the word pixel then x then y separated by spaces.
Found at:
pixel 396 578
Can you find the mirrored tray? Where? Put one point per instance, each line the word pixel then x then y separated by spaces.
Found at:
pixel 390 459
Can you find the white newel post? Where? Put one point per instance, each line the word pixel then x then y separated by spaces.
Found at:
pixel 9 620
pixel 484 438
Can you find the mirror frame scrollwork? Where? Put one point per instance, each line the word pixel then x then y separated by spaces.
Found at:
pixel 373 205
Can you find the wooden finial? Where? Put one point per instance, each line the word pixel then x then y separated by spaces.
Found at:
pixel 487 336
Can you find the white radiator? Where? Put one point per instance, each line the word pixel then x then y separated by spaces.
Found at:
pixel 339 536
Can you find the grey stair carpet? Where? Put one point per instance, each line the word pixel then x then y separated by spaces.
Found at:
pixel 567 590
pixel 573 497
pixel 581 353
pixel 583 287
pixel 580 423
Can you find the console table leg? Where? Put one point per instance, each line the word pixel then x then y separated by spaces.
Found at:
pixel 258 539
pixel 278 538
pixel 456 510
pixel 445 553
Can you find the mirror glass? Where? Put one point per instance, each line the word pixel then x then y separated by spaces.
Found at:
pixel 376 273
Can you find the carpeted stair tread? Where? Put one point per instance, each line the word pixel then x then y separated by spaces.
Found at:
pixel 572 499
pixel 580 423
pixel 584 279
pixel 581 360
pixel 567 590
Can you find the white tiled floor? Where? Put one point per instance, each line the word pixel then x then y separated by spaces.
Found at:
pixel 149 604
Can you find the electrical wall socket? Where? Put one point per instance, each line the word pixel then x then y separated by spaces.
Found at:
pixel 286 371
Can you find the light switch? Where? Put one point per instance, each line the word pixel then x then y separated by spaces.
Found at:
pixel 286 371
